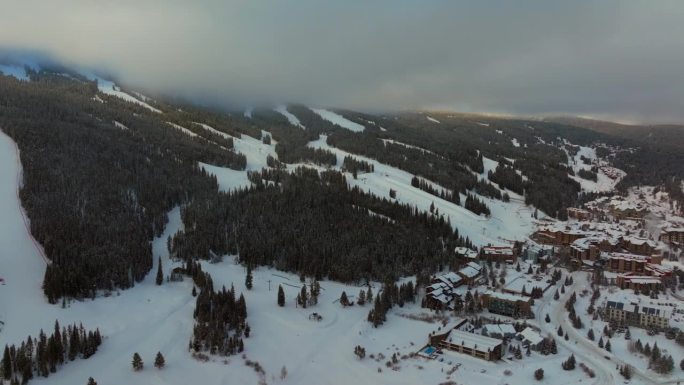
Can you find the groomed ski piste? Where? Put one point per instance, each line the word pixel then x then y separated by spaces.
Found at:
pixel 508 221
pixel 150 318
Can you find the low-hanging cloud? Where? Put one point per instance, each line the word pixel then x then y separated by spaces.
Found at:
pixel 617 59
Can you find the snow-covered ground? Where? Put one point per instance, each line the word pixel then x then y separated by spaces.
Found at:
pixel 433 120
pixel 508 221
pixel 338 119
pixel 181 129
pixel 108 87
pixel 282 109
pixel 607 176
pixel 255 151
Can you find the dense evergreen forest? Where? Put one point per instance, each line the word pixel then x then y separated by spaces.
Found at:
pixel 96 194
pixel 40 356
pixel 316 225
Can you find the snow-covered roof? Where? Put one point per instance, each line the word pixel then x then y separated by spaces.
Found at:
pixel 466 252
pixel 625 301
pixel 528 334
pixel 469 272
pixel 472 341
pixel 506 296
pixel 498 250
pixel 503 329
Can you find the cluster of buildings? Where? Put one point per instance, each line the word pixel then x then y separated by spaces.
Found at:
pixel 631 310
pixel 462 337
pixel 628 261
pixel 441 293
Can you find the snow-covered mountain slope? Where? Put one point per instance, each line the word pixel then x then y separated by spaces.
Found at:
pixel 256 152
pixel 607 176
pixel 110 88
pixel 338 119
pixel 509 221
pixel 282 109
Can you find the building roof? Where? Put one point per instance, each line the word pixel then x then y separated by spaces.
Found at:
pixel 472 341
pixel 503 329
pixel 506 296
pixel 466 252
pixel 638 304
pixel 498 250
pixel 528 334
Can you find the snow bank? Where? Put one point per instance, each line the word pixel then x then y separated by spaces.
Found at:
pixel 338 119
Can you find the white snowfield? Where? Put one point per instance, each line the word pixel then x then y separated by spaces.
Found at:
pixel 607 177
pixel 108 87
pixel 433 120
pixel 282 109
pixel 255 151
pixel 508 221
pixel 338 119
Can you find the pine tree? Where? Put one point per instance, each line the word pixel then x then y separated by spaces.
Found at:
pixel 608 345
pixel 539 374
pixel 628 335
pixel 160 273
pixel 554 347
pixel 6 364
pixel 570 363
pixel 303 297
pixel 137 362
pixel 248 278
pixel 547 318
pixel 344 301
pixel 91 381
pixel 159 361
pixel 560 331
pixel 362 298
pixel 590 334
pixel 600 342
pixel 281 296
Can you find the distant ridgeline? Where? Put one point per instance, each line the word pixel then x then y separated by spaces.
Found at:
pixel 101 174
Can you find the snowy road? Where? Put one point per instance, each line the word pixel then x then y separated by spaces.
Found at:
pixel 584 349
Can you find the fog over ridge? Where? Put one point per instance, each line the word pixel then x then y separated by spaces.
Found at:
pixel 609 59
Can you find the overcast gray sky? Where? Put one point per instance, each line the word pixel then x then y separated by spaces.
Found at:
pixel 617 59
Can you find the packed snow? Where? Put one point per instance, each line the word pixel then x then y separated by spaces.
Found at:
pixel 607 176
pixel 181 129
pixel 254 149
pixel 120 125
pixel 282 109
pixel 509 221
pixel 108 87
pixel 338 119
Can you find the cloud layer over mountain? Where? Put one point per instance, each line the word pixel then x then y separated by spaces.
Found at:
pixel 619 59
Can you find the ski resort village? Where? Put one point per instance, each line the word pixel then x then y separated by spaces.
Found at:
pixel 143 242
